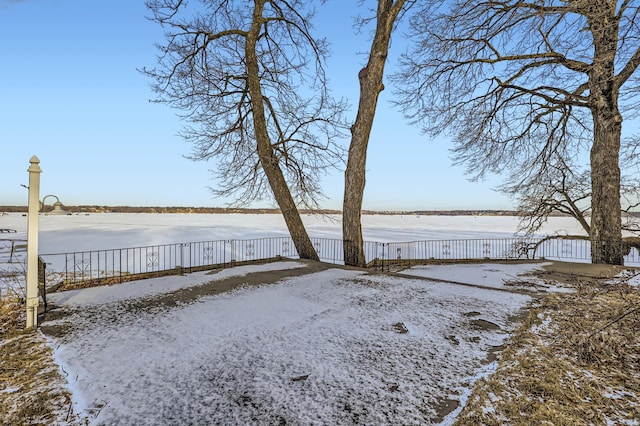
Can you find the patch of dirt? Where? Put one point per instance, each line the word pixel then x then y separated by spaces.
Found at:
pixel 445 406
pixel 453 339
pixel 484 325
pixel 57 330
pixel 400 328
pixel 494 353
pixel 572 273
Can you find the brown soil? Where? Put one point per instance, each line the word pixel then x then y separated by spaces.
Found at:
pixel 570 273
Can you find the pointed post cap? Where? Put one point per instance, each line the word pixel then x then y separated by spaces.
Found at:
pixel 34 167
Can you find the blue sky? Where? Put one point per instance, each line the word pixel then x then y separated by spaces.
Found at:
pixel 71 94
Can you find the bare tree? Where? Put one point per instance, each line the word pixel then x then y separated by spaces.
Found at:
pixel 371 85
pixel 556 189
pixel 565 189
pixel 521 81
pixel 630 185
pixel 250 81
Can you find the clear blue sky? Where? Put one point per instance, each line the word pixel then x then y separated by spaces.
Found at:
pixel 70 94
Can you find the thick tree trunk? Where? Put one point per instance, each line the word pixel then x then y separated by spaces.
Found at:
pixel 606 222
pixel 354 176
pixel 267 157
pixel 284 199
pixel 354 182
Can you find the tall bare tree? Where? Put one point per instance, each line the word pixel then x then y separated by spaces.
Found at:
pixel 516 81
pixel 371 85
pixel 250 81
pixel 565 188
pixel 559 188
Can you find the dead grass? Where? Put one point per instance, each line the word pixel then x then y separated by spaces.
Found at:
pixel 32 391
pixel 574 361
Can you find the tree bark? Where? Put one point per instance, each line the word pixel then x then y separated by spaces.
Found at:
pixel 606 222
pixel 268 159
pixel 355 174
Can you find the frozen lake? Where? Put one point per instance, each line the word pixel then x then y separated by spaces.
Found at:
pixel 100 231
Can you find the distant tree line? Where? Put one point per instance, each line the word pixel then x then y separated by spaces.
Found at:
pixel 236 210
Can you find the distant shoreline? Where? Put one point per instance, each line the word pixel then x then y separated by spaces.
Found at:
pixel 230 210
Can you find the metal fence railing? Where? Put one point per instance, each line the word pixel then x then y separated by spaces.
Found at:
pixel 508 248
pixel 13 258
pixel 125 264
pixel 12 250
pixel 575 250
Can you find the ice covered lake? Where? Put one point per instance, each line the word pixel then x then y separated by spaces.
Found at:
pixel 100 231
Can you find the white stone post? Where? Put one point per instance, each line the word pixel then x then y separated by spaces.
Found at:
pixel 32 242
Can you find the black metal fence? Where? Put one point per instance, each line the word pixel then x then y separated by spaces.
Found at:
pixel 125 264
pixel 13 258
pixel 12 250
pixel 573 250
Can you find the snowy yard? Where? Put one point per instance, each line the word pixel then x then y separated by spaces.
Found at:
pixel 291 342
pixel 331 346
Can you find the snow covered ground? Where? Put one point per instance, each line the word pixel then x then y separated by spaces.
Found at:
pixel 333 346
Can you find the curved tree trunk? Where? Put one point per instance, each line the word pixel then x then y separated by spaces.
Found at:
pixel 285 201
pixel 354 176
pixel 606 222
pixel 267 157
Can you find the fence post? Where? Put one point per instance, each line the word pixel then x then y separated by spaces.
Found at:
pixel 42 279
pixel 233 252
pixel 181 259
pixel 32 242
pixel 384 245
